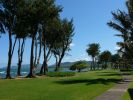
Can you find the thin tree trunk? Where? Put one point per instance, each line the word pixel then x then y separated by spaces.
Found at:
pixel 39 56
pixel 56 67
pixel 10 54
pixel 45 67
pixel 20 57
pixel 31 75
pixel 93 63
pixel 61 58
pixel 36 47
pixel 18 71
pixel 40 49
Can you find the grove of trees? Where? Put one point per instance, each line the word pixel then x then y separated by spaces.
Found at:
pixel 40 21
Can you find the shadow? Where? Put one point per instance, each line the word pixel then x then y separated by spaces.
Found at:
pixel 130 91
pixel 89 81
pixel 127 73
pixel 115 74
pixel 104 72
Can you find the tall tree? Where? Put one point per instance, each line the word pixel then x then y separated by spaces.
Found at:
pixel 49 35
pixel 123 22
pixel 36 11
pixel 124 26
pixel 114 60
pixel 8 22
pixel 105 57
pixel 21 30
pixel 62 44
pixel 93 51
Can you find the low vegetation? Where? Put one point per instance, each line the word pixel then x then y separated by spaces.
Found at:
pixel 60 74
pixel 79 66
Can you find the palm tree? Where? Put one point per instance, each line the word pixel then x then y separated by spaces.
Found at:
pixel 105 57
pixel 122 24
pixel 93 51
pixel 114 60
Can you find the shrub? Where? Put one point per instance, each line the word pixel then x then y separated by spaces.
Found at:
pixel 60 74
pixel 79 66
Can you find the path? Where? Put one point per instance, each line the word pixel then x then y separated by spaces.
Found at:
pixel 116 92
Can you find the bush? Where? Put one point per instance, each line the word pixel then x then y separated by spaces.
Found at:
pixel 79 66
pixel 60 74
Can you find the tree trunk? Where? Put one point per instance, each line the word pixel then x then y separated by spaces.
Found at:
pixel 60 59
pixel 35 60
pixel 45 67
pixel 20 56
pixel 40 49
pixel 31 75
pixel 18 71
pixel 10 54
pixel 79 70
pixel 56 67
pixel 41 71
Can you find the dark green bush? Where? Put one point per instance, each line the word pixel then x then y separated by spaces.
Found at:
pixel 79 66
pixel 60 74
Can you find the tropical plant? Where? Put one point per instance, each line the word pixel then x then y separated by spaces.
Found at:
pixel 8 20
pixel 50 34
pixel 62 43
pixel 79 66
pixel 93 50
pixel 123 22
pixel 105 57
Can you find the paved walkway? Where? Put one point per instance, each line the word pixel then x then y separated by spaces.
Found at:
pixel 116 92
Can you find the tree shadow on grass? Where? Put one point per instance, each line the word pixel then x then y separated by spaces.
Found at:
pixel 130 91
pixel 113 74
pixel 89 81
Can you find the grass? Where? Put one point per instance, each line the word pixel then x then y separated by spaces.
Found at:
pixel 60 74
pixel 82 86
pixel 129 94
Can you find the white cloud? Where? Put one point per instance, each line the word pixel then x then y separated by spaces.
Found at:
pixel 72 45
pixel 117 48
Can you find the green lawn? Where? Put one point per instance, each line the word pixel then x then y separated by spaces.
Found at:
pixel 83 86
pixel 129 94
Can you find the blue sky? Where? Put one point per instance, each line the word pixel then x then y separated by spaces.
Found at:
pixel 90 21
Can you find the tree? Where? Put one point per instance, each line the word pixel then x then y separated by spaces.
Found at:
pixel 114 60
pixel 93 51
pixel 38 12
pixel 62 43
pixel 123 22
pixel 105 57
pixel 49 34
pixel 79 66
pixel 8 23
pixel 124 26
pixel 21 34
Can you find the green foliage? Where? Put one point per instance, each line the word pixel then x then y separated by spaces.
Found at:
pixel 123 22
pixel 105 56
pixel 115 58
pixel 60 74
pixel 79 66
pixel 93 49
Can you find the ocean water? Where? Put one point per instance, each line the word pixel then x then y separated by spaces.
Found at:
pixel 24 72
